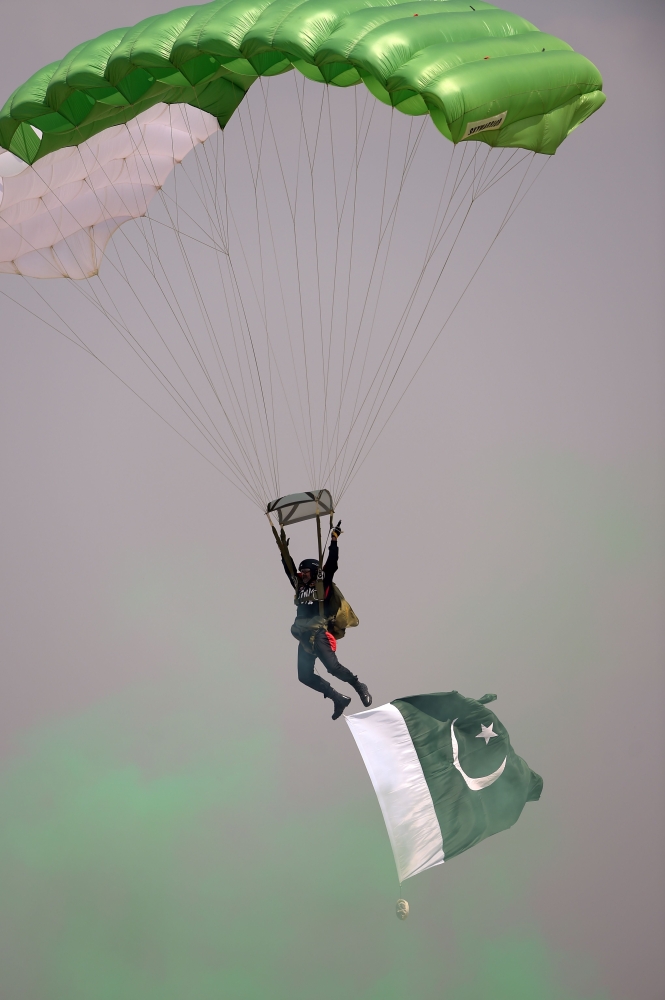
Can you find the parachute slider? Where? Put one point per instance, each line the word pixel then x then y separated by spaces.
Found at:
pixel 301 506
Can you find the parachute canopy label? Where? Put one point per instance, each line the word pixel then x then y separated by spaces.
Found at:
pixel 485 125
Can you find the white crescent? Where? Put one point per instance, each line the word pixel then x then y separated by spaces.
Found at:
pixel 475 784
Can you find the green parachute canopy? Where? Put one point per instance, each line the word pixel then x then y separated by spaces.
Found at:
pixel 480 72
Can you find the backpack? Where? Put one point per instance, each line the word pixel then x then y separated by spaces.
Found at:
pixel 345 616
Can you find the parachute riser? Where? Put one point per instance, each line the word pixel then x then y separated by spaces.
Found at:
pixel 320 589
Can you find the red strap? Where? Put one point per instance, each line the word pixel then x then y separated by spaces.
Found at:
pixel 332 640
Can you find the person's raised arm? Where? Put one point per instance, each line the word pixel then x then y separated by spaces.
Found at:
pixel 332 561
pixel 287 561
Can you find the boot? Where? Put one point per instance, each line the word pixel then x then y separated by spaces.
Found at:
pixel 340 701
pixel 362 692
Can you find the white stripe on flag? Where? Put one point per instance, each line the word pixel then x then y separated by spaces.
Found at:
pixel 397 775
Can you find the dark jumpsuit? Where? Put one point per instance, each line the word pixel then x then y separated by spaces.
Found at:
pixel 310 629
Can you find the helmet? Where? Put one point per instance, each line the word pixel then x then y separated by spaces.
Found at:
pixel 311 564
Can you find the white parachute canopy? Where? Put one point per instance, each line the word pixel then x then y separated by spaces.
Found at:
pixel 57 216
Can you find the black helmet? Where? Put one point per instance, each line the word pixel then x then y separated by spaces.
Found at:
pixel 311 564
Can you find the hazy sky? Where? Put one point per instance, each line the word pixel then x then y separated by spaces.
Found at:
pixel 179 817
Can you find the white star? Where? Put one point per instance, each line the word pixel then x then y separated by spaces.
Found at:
pixel 486 733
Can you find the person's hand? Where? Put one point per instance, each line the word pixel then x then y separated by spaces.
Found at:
pixel 285 540
pixel 337 531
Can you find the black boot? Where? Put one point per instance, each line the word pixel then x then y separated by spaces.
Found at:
pixel 340 701
pixel 362 692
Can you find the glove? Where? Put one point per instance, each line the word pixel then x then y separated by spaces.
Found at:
pixel 337 531
pixel 285 540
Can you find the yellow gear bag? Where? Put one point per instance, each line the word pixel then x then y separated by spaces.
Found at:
pixel 345 616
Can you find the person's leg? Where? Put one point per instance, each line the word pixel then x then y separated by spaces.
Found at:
pixel 328 657
pixel 306 675
pixel 323 649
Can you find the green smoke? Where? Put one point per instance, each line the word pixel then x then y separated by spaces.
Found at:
pixel 153 849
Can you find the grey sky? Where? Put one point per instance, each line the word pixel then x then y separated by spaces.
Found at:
pixel 505 535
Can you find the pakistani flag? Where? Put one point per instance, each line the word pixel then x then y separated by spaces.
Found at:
pixel 444 773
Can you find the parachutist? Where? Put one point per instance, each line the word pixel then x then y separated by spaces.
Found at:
pixel 317 627
pixel 402 909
